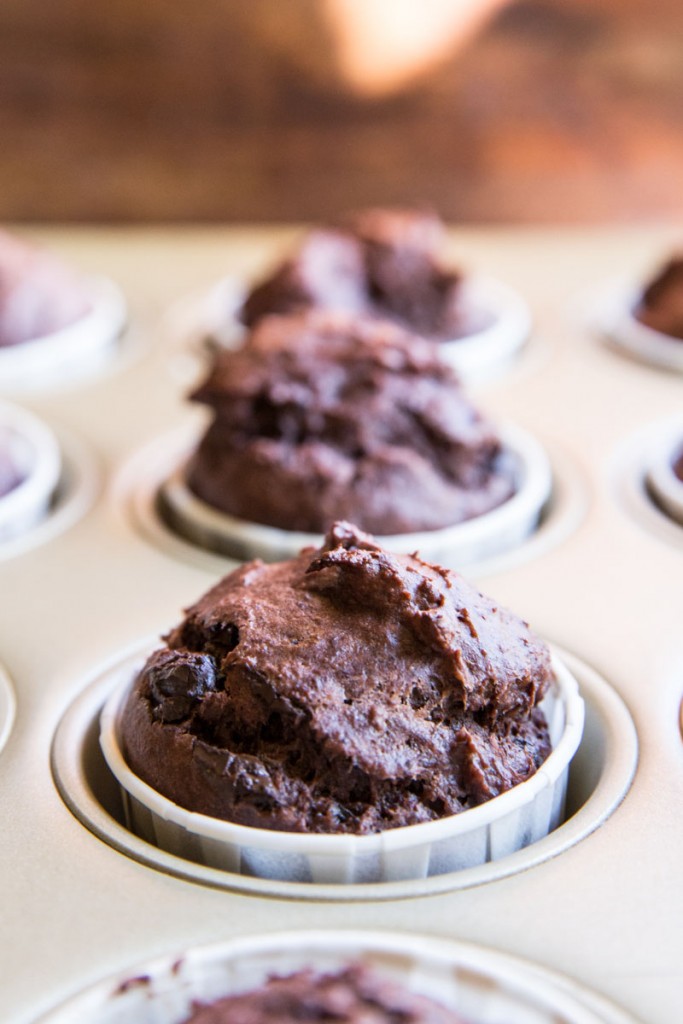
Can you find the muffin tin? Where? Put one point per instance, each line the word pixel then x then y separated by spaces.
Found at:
pixel 84 899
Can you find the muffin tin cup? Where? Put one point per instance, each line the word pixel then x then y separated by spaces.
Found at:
pixel 73 350
pixel 488 832
pixel 643 481
pixel 479 984
pixel 35 452
pixel 615 319
pixel 663 483
pixel 488 535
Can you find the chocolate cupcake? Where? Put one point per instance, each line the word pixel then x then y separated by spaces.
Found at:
pixel 345 693
pixel 321 416
pixel 39 294
pixel 351 995
pixel 646 322
pixel 55 323
pixel 324 416
pixel 380 263
pixel 336 976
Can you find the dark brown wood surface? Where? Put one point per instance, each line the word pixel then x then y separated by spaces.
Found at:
pixel 562 110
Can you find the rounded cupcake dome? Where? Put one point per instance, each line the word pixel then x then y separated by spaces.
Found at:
pixel 39 294
pixel 322 416
pixel 384 263
pixel 348 690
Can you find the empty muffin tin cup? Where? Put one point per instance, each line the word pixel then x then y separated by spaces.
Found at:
pixel 665 486
pixel 72 351
pixel 488 832
pixel 476 983
pixel 33 451
pixel 500 530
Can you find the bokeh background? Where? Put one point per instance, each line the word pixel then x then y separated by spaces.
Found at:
pixel 260 110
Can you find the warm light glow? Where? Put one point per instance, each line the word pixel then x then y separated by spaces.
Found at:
pixel 386 44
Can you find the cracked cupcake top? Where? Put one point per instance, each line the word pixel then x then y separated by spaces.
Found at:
pixel 346 690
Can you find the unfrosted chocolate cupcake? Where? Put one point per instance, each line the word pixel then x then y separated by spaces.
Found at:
pixel 39 294
pixel 322 416
pixel 352 995
pixel 383 263
pixel 348 690
pixel 661 305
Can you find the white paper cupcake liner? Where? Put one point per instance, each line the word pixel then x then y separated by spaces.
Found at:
pixel 489 832
pixel 212 321
pixel 615 319
pixel 483 986
pixel 664 485
pixel 73 350
pixel 502 529
pixel 34 451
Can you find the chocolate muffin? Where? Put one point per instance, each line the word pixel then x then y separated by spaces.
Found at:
pixel 352 995
pixel 347 690
pixel 38 293
pixel 661 306
pixel 380 263
pixel 322 416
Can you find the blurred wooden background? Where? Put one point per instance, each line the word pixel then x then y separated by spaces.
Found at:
pixel 149 110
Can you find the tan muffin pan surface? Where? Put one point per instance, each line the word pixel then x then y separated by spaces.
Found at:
pixel 585 922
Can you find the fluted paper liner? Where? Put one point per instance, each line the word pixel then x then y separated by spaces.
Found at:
pixel 488 832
